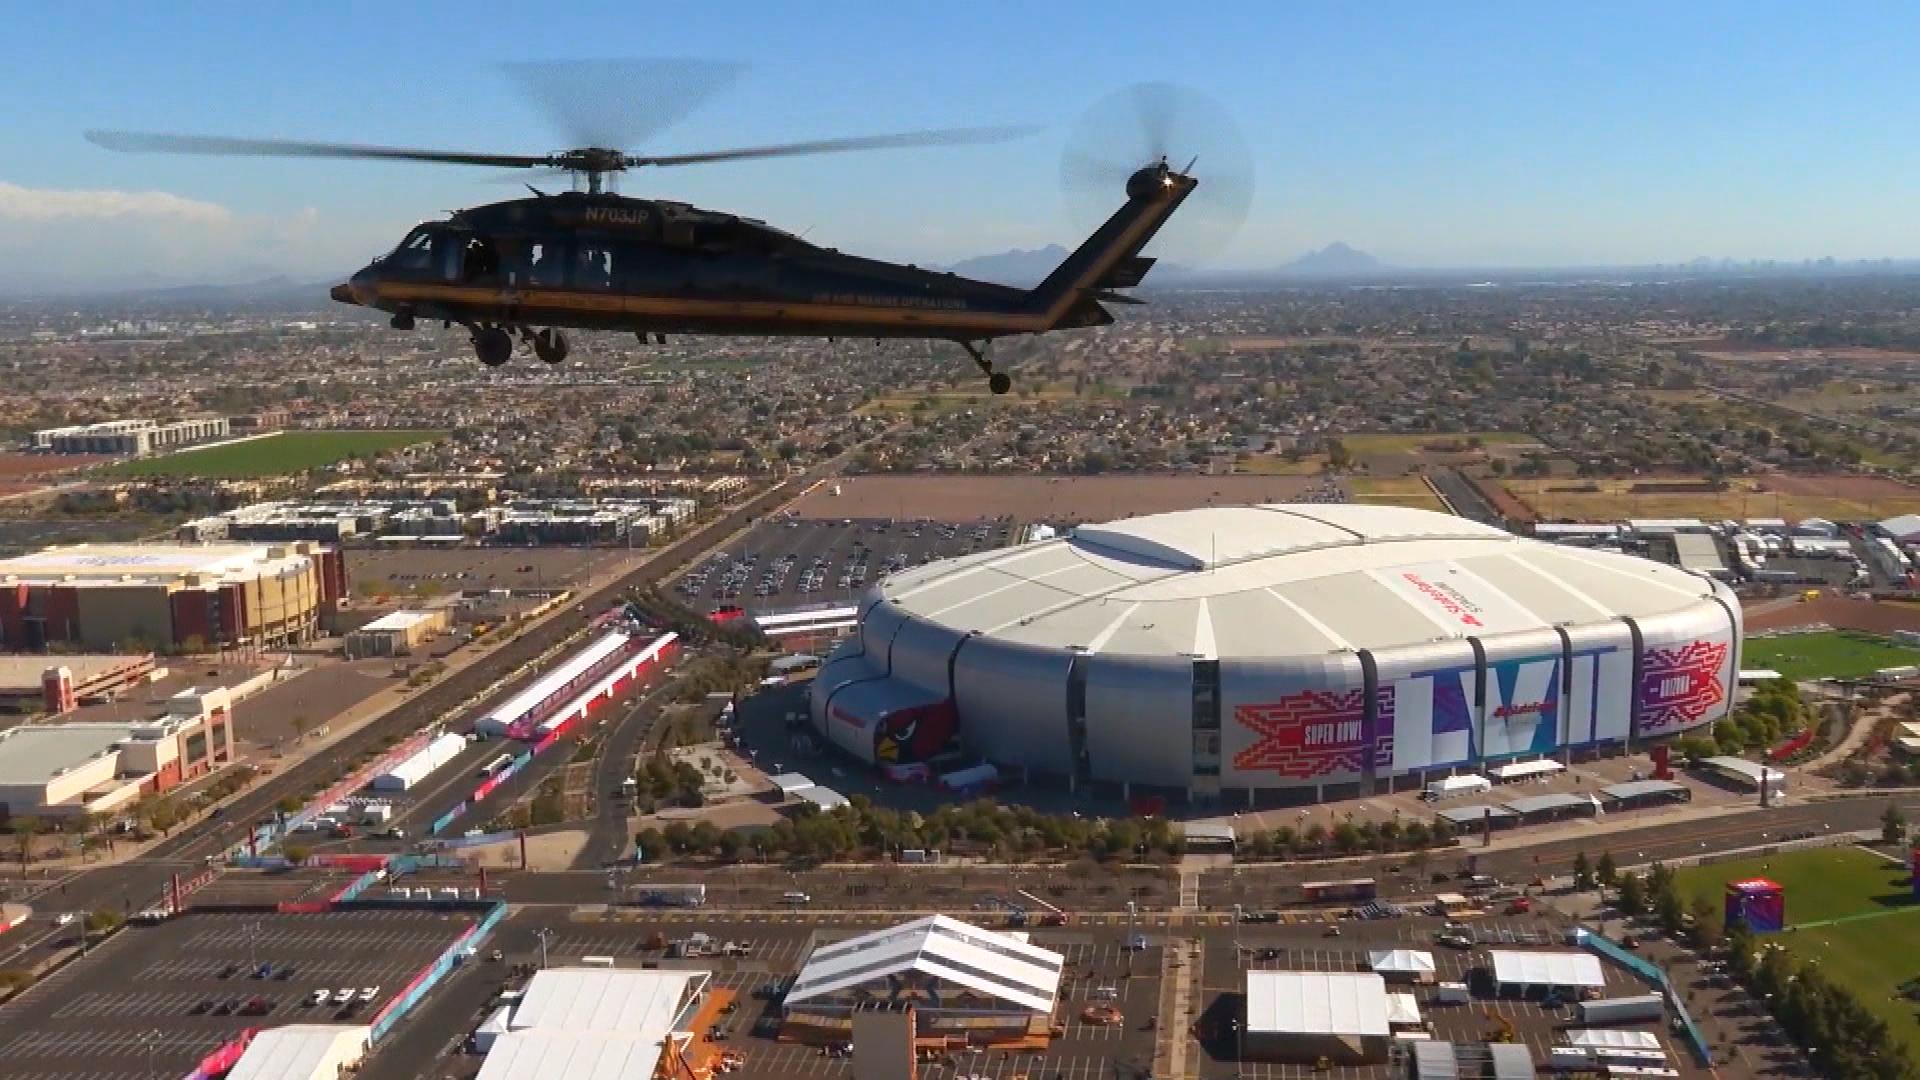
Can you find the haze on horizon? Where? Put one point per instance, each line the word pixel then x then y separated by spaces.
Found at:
pixel 1500 135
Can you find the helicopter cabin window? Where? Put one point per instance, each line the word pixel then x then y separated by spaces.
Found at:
pixel 481 261
pixel 593 265
pixel 547 263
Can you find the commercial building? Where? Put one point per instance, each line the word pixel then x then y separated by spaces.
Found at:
pixel 1277 654
pixel 58 684
pixel 960 979
pixel 302 1052
pixel 84 768
pixel 1303 1016
pixel 112 596
pixel 396 633
pixel 130 438
pixel 596 1023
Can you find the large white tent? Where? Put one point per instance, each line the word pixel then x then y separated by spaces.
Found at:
pixel 937 955
pixel 1519 971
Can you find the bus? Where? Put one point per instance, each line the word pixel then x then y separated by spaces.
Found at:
pixel 494 767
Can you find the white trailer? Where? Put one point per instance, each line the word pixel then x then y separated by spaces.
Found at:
pixel 1623 1010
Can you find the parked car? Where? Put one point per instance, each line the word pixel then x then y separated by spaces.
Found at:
pixel 368 993
pixel 65 918
pixel 343 995
pixel 318 997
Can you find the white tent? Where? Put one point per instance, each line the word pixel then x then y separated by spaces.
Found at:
pixel 1341 1003
pixel 1403 1010
pixel 1402 962
pixel 1557 969
pixel 1613 1039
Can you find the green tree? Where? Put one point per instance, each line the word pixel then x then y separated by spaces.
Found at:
pixel 1582 872
pixel 652 843
pixel 1605 872
pixel 1893 825
pixel 1346 837
pixel 103 921
pixel 1633 894
pixel 296 853
pixel 25 828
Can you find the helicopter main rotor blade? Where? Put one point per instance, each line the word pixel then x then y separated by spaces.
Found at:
pixel 942 137
pixel 620 102
pixel 136 142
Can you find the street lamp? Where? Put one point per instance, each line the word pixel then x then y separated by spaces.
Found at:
pixel 543 934
pixel 147 1042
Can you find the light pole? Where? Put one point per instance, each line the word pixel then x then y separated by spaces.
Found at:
pixel 543 934
pixel 147 1042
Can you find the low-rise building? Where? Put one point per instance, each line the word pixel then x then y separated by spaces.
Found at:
pixel 59 770
pixel 57 684
pixel 396 633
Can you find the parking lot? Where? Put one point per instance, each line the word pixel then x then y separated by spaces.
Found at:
pixel 154 1000
pixel 792 562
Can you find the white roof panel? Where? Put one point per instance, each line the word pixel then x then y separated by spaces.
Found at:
pixel 576 1055
pixel 1403 1009
pixel 301 1052
pixel 981 960
pixel 546 686
pixel 1401 960
pixel 1555 968
pixel 1316 1003
pixel 639 1003
pixel 1284 580
pixel 1614 1038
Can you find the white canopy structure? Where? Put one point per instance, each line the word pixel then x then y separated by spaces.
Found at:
pixel 1613 1039
pixel 1412 962
pixel 1520 770
pixel 1558 969
pixel 1403 1010
pixel 593 1023
pixel 1316 1003
pixel 302 1052
pixel 941 958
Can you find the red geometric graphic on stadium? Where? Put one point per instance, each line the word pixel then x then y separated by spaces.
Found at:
pixel 1680 686
pixel 1314 733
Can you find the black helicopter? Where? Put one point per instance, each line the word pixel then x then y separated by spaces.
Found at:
pixel 592 259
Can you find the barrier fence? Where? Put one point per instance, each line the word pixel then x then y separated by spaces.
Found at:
pixel 1654 974
pixel 423 983
pixel 222 1059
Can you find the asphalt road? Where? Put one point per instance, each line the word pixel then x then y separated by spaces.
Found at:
pixel 141 882
pixel 608 839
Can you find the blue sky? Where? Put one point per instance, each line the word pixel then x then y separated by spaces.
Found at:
pixel 1433 135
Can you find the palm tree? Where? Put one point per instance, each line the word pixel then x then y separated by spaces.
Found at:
pixel 24 830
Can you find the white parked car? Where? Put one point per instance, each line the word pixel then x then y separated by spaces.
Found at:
pixel 343 995
pixel 318 997
pixel 368 993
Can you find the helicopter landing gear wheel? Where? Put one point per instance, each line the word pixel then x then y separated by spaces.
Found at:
pixel 550 346
pixel 999 382
pixel 492 345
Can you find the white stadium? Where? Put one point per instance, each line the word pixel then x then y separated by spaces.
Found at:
pixel 1273 654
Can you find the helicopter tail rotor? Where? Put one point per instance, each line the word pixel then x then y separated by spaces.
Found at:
pixel 1147 124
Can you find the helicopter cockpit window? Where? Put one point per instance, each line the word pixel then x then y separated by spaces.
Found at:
pixel 415 252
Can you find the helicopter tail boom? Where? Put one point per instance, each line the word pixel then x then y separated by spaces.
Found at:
pixel 1110 258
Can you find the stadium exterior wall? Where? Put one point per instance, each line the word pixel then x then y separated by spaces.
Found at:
pixel 1281 729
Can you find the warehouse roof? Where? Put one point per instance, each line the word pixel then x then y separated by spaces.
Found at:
pixel 38 753
pixel 1316 1003
pixel 1476 815
pixel 599 1000
pixel 399 620
pixel 1280 580
pixel 1557 968
pixel 1540 804
pixel 576 1055
pixel 111 563
pixel 983 961
pixel 300 1052
pixel 1635 789
pixel 20 672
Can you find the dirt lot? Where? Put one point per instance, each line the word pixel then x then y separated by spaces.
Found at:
pixel 1837 496
pixel 18 466
pixel 1041 498
pixel 474 568
pixel 1871 616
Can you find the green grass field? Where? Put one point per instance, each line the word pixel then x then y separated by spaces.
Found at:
pixel 275 455
pixel 1841 654
pixel 1874 950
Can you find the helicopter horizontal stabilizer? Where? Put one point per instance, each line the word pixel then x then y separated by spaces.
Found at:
pixel 1128 273
pixel 1110 258
pixel 1117 298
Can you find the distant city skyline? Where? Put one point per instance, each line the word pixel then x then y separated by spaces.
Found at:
pixel 1497 135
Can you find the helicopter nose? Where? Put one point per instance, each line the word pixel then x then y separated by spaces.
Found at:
pixel 343 294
